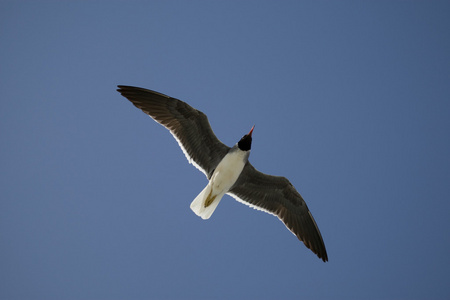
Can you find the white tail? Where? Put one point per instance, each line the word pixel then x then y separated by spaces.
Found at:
pixel 205 203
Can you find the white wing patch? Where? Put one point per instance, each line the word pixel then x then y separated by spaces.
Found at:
pixel 251 205
pixel 188 157
pixel 261 209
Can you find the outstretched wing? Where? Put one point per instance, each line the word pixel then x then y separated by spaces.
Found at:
pixel 277 196
pixel 190 127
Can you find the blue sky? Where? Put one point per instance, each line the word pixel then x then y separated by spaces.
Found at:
pixel 351 102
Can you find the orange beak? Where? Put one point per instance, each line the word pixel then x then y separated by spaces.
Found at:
pixel 251 131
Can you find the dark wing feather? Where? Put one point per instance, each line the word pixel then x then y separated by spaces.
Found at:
pixel 189 126
pixel 276 195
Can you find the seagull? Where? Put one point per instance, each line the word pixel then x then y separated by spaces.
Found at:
pixel 227 169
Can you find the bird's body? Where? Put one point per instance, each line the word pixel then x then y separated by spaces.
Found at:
pixel 223 178
pixel 228 169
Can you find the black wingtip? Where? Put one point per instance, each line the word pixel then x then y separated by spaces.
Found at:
pixel 121 88
pixel 128 90
pixel 318 250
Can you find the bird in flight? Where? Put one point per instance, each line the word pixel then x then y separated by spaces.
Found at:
pixel 228 169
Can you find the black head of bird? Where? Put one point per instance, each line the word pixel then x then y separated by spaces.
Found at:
pixel 245 144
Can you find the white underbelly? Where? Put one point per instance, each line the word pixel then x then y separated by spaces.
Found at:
pixel 228 171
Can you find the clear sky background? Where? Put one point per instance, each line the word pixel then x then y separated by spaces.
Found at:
pixel 351 102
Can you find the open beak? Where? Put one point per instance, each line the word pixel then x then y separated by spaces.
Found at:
pixel 251 131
